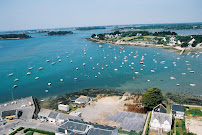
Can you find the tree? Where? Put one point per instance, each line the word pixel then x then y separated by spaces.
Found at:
pixel 152 98
pixel 93 35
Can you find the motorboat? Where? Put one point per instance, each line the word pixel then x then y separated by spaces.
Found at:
pixel 16 80
pixel 61 80
pixel 115 69
pixel 14 86
pixel 11 74
pixel 36 78
pixel 49 84
pixel 40 68
pixel 47 60
pixel 193 85
pixel 100 46
pixel 77 68
pixel 152 71
pixel 84 64
pixel 172 78
pixel 28 73
pixel 53 63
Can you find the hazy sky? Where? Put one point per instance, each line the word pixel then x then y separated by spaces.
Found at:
pixel 34 14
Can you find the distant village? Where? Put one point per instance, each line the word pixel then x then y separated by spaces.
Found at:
pixel 103 115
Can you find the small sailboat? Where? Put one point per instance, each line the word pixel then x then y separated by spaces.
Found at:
pixel 136 73
pixel 46 90
pixel 58 57
pixel 193 85
pixel 61 80
pixel 28 73
pixel 141 62
pixel 53 63
pixel 11 74
pixel 36 78
pixel 93 68
pixel 102 68
pixel 40 68
pixel 172 78
pixel 192 71
pixel 30 68
pixel 115 69
pixel 178 84
pixel 152 71
pixel 77 68
pixel 59 60
pixel 75 79
pixel 49 84
pixel 14 86
pixel 106 65
pixel 47 60
pixel 91 58
pixel 71 61
pixel 84 64
pixel 16 80
pixel 67 56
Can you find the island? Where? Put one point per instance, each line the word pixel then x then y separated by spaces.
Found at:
pixel 162 39
pixel 14 36
pixel 55 33
pixel 90 28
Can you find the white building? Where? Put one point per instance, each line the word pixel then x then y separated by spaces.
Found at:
pixel 172 41
pixel 82 100
pixel 178 111
pixel 63 107
pixel 160 122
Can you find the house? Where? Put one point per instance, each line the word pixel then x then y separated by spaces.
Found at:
pixel 172 41
pixel 160 108
pixel 61 117
pixel 52 117
pixel 82 100
pixel 63 107
pixel 55 117
pixel 178 111
pixel 78 114
pixel 72 127
pixel 160 122
pixel 10 115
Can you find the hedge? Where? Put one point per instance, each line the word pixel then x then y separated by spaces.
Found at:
pixel 38 131
pixel 14 132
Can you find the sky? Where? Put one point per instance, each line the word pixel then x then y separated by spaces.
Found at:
pixel 38 14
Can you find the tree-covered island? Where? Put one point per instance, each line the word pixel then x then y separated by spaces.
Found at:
pixel 90 28
pixel 14 36
pixel 55 33
pixel 162 39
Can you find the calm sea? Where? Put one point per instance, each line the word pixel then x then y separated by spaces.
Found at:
pixel 16 56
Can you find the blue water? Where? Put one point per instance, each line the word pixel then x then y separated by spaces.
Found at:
pixel 17 55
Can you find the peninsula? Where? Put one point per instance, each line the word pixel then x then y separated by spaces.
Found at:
pixel 162 39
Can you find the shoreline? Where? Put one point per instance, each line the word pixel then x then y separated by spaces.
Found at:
pixel 177 49
pixel 52 102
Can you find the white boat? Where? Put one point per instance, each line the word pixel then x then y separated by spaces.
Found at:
pixel 49 84
pixel 11 74
pixel 28 73
pixel 98 73
pixel 188 64
pixel 14 86
pixel 67 56
pixel 122 63
pixel 178 84
pixel 105 57
pixel 186 61
pixel 30 68
pixel 129 54
pixel 16 80
pixel 141 69
pixel 136 73
pixel 188 68
pixel 165 67
pixel 121 66
pixel 84 53
pixel 115 57
pixel 183 73
pixel 148 80
pixel 77 68
pixel 125 60
pixel 75 79
pixel 59 60
pixel 129 65
pixel 143 65
pixel 134 56
pixel 115 69
pixel 95 76
pixel 152 71
pixel 84 64
pixel 71 61
pixel 91 58
pixel 61 80
pixel 102 68
pixel 106 65
pixel 178 58
pixel 172 78
pixel 53 63
pixel 36 78
pixel 132 63
pixel 141 62
pixel 47 60
pixel 175 65
pixel 100 46
pixel 191 71
pixel 193 85
pixel 97 64
pixel 58 57
pixel 46 90
pixel 40 68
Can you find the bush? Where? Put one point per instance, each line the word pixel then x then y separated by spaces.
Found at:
pixel 14 132
pixel 38 131
pixel 30 133
pixel 170 132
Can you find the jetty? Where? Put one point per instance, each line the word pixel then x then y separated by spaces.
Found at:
pixel 182 51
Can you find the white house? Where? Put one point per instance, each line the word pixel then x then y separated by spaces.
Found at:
pixel 160 122
pixel 82 100
pixel 178 111
pixel 172 41
pixel 63 107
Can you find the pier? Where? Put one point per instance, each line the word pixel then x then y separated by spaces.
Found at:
pixel 182 51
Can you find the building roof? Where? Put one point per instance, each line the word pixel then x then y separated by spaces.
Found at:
pixel 44 112
pixel 98 131
pixel 80 126
pixel 161 117
pixel 160 108
pixel 179 108
pixel 53 115
pixel 67 116
pixel 82 99
pixel 9 113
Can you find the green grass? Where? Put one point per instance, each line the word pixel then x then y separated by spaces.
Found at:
pixel 196 112
pixel 128 38
pixel 14 132
pixel 129 133
pixel 180 127
pixel 38 131
pixel 30 133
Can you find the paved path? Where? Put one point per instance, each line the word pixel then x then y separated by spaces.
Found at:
pixel 145 125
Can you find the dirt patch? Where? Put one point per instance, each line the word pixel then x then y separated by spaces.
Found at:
pixel 194 125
